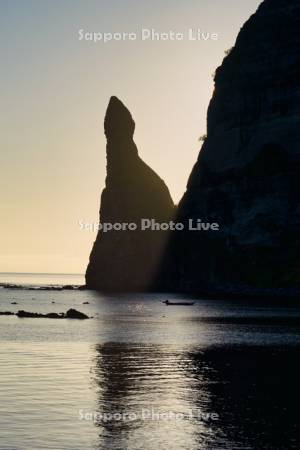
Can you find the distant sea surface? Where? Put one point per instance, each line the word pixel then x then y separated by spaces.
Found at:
pixel 42 279
pixel 142 375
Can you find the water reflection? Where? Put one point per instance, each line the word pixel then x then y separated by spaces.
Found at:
pixel 149 380
pixel 255 392
pixel 252 390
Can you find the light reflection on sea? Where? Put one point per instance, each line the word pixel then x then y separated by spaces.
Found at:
pixel 139 355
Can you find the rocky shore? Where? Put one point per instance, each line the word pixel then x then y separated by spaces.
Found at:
pixel 70 314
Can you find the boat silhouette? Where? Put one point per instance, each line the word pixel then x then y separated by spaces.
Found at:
pixel 168 303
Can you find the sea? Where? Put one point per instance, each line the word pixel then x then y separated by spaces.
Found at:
pixel 218 374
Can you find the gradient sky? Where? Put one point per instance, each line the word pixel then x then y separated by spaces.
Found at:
pixel 55 90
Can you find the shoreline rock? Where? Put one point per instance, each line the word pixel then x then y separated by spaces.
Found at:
pixel 74 314
pixel 70 314
pixel 25 287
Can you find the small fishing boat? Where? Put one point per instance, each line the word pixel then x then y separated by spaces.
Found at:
pixel 168 303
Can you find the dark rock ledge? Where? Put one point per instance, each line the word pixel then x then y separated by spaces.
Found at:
pixel 70 314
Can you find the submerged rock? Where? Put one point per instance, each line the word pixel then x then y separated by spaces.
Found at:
pixel 82 288
pixel 70 314
pixel 128 260
pixel 40 288
pixel 69 287
pixel 74 314
pixel 22 313
pixel 55 316
pixel 10 286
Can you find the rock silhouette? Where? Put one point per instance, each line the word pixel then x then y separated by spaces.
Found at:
pixel 128 260
pixel 70 314
pixel 247 177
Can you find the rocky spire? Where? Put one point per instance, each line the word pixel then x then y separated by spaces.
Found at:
pixel 128 260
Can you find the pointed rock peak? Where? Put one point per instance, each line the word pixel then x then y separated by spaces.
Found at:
pixel 128 260
pixel 118 123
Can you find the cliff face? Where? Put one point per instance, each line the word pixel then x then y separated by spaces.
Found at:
pixel 247 177
pixel 127 260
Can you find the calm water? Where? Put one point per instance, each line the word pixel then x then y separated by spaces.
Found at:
pixel 141 375
pixel 41 279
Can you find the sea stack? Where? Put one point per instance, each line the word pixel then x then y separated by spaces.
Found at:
pixel 247 177
pixel 128 260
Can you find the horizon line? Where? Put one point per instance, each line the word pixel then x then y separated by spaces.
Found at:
pixel 40 273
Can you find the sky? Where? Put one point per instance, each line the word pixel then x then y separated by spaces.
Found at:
pixel 54 92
